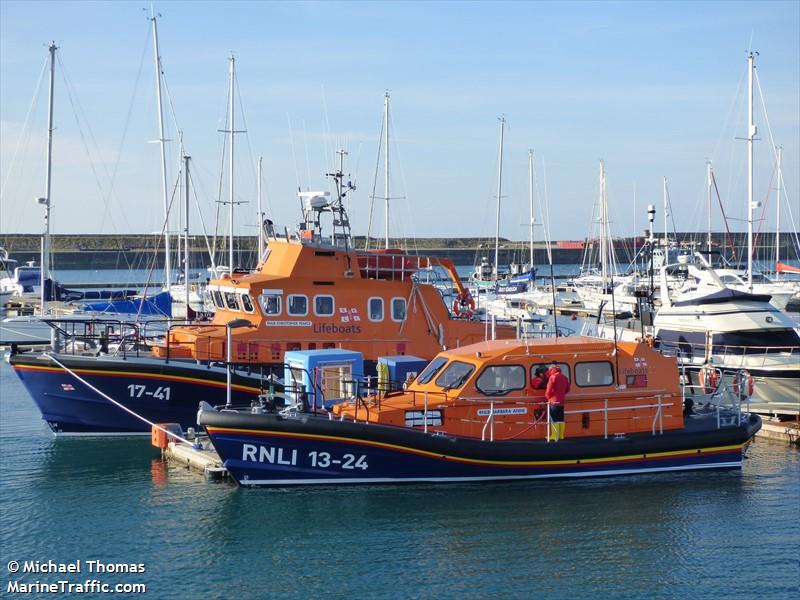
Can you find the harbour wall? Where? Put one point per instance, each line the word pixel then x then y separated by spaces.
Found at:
pixel 141 251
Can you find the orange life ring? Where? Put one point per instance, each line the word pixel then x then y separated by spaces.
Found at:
pixel 747 387
pixel 464 305
pixel 709 379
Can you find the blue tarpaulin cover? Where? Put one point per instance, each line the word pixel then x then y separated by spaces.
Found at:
pixel 160 304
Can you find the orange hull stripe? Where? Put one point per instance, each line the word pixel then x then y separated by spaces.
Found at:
pixel 176 378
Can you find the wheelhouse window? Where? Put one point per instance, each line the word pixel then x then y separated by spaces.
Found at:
pixel 546 367
pixel 455 375
pixel 499 380
pixel 247 303
pixel 297 305
pixel 592 374
pixel 432 369
pixel 270 304
pixel 398 309
pixel 323 306
pixel 375 306
pixel 231 300
pixel 216 296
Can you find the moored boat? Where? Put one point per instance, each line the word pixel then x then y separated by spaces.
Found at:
pixel 310 291
pixel 472 415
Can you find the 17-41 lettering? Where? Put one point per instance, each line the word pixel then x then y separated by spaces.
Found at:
pixel 137 391
pixel 323 460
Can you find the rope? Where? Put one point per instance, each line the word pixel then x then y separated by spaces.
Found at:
pixel 773 146
pixel 114 402
pixel 25 126
pixel 724 216
pixel 374 187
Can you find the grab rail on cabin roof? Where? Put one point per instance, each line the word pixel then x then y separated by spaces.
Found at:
pixel 376 263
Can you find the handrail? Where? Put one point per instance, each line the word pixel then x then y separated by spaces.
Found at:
pixel 489 423
pixel 753 357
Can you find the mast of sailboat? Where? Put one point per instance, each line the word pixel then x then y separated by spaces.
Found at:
pixel 386 164
pixel 162 142
pixel 603 217
pixel 751 134
pixel 186 160
pixel 499 196
pixel 232 129
pixel 778 213
pixel 666 214
pixel 708 207
pixel 530 201
pixel 260 220
pixel 45 261
pixel 635 253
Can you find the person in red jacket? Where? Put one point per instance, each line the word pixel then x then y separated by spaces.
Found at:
pixel 539 381
pixel 556 392
pixel 538 385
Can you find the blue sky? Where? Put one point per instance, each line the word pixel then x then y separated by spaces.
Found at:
pixel 653 89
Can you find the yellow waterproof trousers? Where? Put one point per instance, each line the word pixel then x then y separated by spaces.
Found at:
pixel 556 431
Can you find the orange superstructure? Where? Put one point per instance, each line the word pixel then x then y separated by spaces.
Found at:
pixel 314 292
pixel 486 390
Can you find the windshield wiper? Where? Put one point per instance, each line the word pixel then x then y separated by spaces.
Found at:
pixel 457 383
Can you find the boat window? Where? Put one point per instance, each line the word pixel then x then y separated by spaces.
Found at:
pixel 376 309
pixel 231 300
pixel 270 304
pixel 296 383
pixel 498 380
pixel 398 309
pixel 432 369
pixel 730 279
pixel 591 374
pixel 297 305
pixel 760 278
pixel 455 375
pixel 217 297
pixel 770 341
pixel 546 366
pixel 247 303
pixel 323 306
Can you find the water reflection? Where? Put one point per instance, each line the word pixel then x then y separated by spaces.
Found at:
pixel 668 535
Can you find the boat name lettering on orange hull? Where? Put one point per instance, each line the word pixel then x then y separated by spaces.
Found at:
pixel 287 323
pixel 518 410
pixel 331 328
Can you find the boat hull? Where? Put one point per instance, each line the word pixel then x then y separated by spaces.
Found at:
pixel 270 450
pixel 157 391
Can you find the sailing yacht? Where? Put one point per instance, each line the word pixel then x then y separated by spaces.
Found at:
pixel 604 289
pixel 517 296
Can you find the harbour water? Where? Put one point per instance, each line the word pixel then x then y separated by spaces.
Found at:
pixel 702 535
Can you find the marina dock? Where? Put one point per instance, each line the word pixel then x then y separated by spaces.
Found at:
pixel 787 432
pixel 199 457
